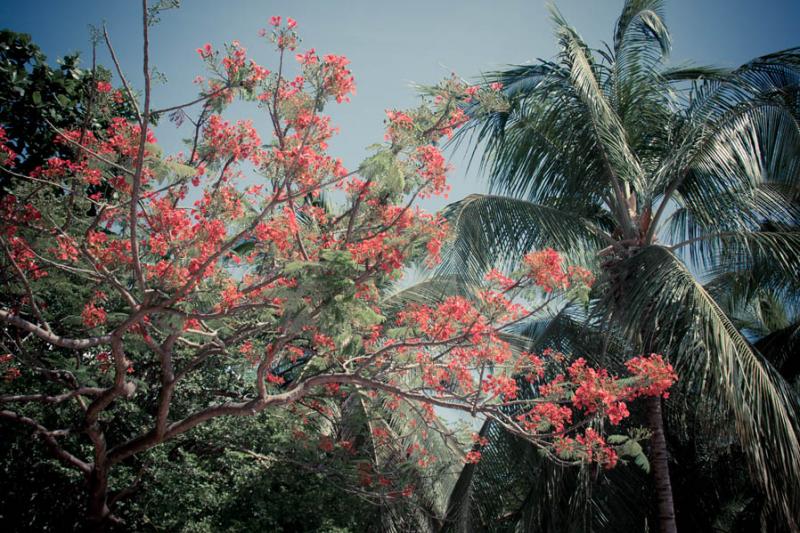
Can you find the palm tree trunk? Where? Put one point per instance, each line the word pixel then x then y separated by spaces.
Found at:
pixel 660 463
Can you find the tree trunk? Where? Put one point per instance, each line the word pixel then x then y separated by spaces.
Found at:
pixel 97 509
pixel 660 465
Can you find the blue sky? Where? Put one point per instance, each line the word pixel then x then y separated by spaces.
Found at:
pixel 391 45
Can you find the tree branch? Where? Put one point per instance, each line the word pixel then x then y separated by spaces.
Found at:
pixel 52 338
pixel 49 439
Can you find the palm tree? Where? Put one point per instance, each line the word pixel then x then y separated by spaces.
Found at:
pixel 659 178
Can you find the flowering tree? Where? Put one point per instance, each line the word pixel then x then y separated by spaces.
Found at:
pixel 225 260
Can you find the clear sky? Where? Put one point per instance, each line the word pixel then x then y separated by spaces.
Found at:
pixel 391 44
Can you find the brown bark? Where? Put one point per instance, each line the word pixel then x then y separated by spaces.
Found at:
pixel 660 466
pixel 97 510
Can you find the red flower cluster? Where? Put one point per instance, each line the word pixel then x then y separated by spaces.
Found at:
pixel 546 269
pixel 338 80
pixel 593 449
pixel 503 386
pixel 10 370
pixel 226 141
pixel 495 277
pixel 7 155
pixel 580 276
pixel 56 169
pixel 657 374
pixel 456 315
pixel 206 51
pixel 399 122
pixel 472 457
pixel 597 392
pixel 14 216
pixel 546 416
pixel 121 138
pixel 433 170
pixel 93 315
pixel 593 392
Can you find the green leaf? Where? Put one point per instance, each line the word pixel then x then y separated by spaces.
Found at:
pixel 642 462
pixel 245 248
pixel 293 267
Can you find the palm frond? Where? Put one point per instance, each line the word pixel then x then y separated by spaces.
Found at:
pixel 427 290
pixel 641 25
pixel 720 170
pixel 665 304
pixel 621 162
pixel 493 231
pixel 744 251
pixel 682 73
pixel 641 43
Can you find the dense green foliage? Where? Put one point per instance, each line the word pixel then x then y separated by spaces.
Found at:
pixel 196 484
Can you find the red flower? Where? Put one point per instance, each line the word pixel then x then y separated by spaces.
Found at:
pixel 595 449
pixel 338 81
pixel 7 155
pixel 433 170
pixel 472 457
pixel 93 316
pixel 580 276
pixel 500 386
pixel 206 51
pixel 495 277
pixel 398 122
pixel 656 375
pixel 546 416
pixel 546 270
pixel 275 380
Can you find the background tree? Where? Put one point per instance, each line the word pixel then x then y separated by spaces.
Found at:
pixel 37 99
